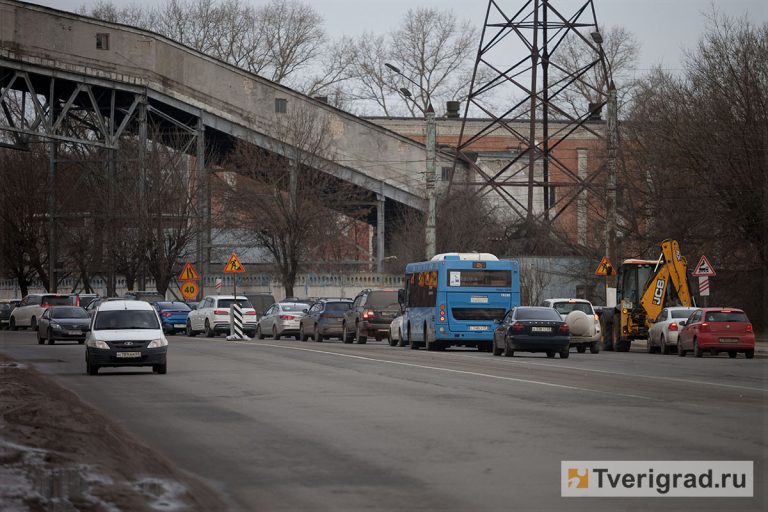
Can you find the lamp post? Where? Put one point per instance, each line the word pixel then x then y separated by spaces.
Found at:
pixel 431 179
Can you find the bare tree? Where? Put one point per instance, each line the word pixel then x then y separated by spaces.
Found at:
pixel 433 48
pixel 703 139
pixel 288 204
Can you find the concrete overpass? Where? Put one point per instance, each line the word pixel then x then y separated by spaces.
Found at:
pixel 119 72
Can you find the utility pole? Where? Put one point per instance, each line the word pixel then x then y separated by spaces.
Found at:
pixel 611 187
pixel 431 182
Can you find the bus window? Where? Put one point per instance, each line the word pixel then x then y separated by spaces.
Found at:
pixel 480 278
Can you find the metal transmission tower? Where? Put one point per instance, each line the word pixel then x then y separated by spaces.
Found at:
pixel 546 98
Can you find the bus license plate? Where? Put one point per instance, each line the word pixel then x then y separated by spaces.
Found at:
pixel 478 300
pixel 541 329
pixel 128 355
pixel 478 327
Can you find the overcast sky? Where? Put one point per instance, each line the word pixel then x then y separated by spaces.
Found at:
pixel 664 27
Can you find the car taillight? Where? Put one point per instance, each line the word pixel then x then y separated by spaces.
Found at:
pixel 220 312
pixel 287 317
pixel 564 328
pixel 369 313
pixel 597 318
pixel 250 312
pixel 45 305
pixel 749 327
pixel 673 326
pixel 517 327
pixel 442 312
pixel 704 327
pixel 165 314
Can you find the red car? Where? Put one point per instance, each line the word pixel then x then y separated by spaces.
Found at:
pixel 717 330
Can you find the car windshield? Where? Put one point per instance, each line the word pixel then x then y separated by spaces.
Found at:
pixel 337 306
pixel 126 319
pixel 536 314
pixel 382 299
pixel 726 316
pixel 73 312
pixel 175 306
pixel 681 313
pixel 566 307
pixel 225 303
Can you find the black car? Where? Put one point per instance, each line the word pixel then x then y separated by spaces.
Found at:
pixel 531 329
pixel 5 312
pixel 63 323
pixel 370 315
pixel 324 319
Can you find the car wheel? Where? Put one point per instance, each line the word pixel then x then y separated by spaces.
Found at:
pixel 581 349
pixel 50 339
pixel 40 339
pixel 696 349
pixel 275 336
pixel 302 336
pixel 296 337
pixel 564 354
pixel 507 352
pixel 414 345
pixel 189 330
pixel 649 347
pixel 33 324
pixel 90 369
pixel 550 355
pixel 680 351
pixel 733 355
pixel 260 334
pixel 317 336
pixel 594 348
pixel 361 339
pixel 81 341
pixel 208 331
pixel 345 336
pixel 161 369
pixel 494 349
pixel 392 340
pixel 749 353
pixel 12 324
pixel 400 340
pixel 664 347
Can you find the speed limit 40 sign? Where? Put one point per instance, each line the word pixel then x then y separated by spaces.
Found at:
pixel 189 289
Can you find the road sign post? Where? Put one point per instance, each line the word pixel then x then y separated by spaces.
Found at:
pixel 234 266
pixel 704 271
pixel 605 268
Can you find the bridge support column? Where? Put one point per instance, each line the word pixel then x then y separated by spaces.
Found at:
pixel 380 231
pixel 53 156
pixel 204 207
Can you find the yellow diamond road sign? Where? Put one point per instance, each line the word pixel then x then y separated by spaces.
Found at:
pixel 188 273
pixel 233 266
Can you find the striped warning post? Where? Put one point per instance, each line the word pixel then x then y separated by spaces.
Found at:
pixel 236 321
pixel 704 286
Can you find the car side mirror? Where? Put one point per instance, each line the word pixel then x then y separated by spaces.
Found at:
pixel 497 321
pixel 401 297
pixel 305 310
pixel 682 322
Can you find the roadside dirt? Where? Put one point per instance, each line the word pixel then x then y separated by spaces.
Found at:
pixel 58 454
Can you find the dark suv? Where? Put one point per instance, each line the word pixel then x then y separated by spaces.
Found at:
pixel 370 315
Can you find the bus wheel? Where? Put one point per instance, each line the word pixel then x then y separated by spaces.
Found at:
pixel 414 345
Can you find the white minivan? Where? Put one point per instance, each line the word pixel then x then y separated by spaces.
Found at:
pixel 126 333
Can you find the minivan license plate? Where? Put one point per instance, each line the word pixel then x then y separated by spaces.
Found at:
pixel 128 354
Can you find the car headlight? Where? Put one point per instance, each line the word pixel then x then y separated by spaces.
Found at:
pixel 55 326
pixel 160 342
pixel 98 344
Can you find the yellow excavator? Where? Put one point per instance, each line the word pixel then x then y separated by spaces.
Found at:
pixel 644 288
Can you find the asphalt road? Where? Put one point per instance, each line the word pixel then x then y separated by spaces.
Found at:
pixel 286 425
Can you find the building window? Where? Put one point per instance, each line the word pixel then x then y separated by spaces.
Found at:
pixel 446 173
pixel 102 41
pixel 281 105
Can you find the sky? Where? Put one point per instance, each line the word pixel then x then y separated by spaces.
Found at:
pixel 665 28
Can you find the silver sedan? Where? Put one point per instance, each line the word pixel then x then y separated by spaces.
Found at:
pixel 662 336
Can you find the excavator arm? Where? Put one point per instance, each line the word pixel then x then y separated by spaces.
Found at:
pixel 670 271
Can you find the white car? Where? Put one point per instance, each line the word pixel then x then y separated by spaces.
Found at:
pixel 662 336
pixel 32 307
pixel 583 322
pixel 212 316
pixel 396 332
pixel 126 333
pixel 282 319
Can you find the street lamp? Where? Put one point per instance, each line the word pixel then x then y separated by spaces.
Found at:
pixel 431 145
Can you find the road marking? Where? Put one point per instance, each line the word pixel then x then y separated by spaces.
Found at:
pixel 652 377
pixel 449 370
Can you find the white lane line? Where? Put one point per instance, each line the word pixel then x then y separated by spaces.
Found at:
pixel 448 370
pixel 652 377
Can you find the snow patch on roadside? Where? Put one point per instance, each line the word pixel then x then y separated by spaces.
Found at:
pixel 165 494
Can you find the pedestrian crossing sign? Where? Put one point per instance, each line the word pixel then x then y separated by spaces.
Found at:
pixel 188 273
pixel 233 266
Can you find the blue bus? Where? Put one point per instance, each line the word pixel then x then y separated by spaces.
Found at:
pixel 454 299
